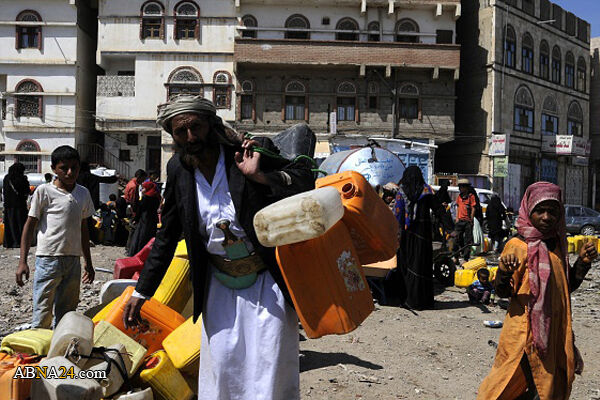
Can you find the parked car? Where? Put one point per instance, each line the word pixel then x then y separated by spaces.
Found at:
pixel 581 220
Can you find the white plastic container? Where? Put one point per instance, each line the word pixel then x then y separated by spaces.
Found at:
pixel 65 387
pixel 114 380
pixel 106 189
pixel 298 218
pixel 75 333
pixel 114 288
pixel 145 394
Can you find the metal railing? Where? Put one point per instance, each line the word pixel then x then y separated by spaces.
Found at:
pixel 96 154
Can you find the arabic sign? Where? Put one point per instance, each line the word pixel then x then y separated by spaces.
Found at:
pixel 571 145
pixel 498 145
pixel 500 167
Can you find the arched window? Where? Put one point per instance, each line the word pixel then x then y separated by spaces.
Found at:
pixel 222 89
pixel 409 106
pixel 510 47
pixel 299 25
pixel 28 36
pixel 570 70
pixel 28 100
pixel 544 60
pixel 185 80
pixel 527 54
pixel 349 28
pixel 346 102
pixel 373 93
pixel 524 110
pixel 405 26
pixel 556 62
pixel 550 116
pixel 153 21
pixel 581 74
pixel 187 25
pixel 247 107
pixel 575 120
pixel 295 101
pixel 30 161
pixel 251 24
pixel 374 33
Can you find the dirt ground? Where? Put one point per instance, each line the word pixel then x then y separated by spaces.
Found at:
pixel 396 354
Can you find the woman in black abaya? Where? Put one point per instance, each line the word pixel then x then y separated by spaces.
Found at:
pixel 146 218
pixel 15 188
pixel 414 203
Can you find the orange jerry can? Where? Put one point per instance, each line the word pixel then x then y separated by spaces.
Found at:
pixel 372 225
pixel 18 388
pixel 326 282
pixel 162 320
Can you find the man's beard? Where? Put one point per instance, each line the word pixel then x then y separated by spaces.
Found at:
pixel 193 155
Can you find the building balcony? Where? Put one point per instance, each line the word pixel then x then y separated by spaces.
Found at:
pixel 116 86
pixel 371 54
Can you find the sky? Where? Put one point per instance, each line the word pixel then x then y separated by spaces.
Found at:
pixel 589 10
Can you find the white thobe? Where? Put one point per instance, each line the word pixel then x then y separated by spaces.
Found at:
pixel 250 336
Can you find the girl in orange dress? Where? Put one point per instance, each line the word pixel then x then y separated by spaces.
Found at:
pixel 537 357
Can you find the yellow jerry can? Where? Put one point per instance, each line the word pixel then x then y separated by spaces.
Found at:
pixel 181 250
pixel 166 381
pixel 183 345
pixel 464 277
pixel 475 264
pixel 30 341
pixel 176 287
pixel 104 312
pixel 105 335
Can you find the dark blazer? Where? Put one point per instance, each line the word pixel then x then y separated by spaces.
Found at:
pixel 180 215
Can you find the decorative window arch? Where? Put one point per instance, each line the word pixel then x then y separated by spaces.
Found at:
pixel 250 23
pixel 153 20
pixel 510 47
pixel 28 36
pixel 297 21
pixel 28 101
pixel 544 60
pixel 187 21
pixel 30 161
pixel 556 64
pixel 374 34
pixel 347 102
pixel 348 28
pixel 373 95
pixel 524 110
pixel 247 101
pixel 575 119
pixel 550 116
pixel 570 70
pixel 581 75
pixel 527 54
pixel 222 89
pixel 185 80
pixel 407 25
pixel 295 102
pixel 410 104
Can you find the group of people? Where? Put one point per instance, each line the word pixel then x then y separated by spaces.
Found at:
pixel 250 328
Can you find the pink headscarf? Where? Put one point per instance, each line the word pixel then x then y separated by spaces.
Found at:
pixel 538 258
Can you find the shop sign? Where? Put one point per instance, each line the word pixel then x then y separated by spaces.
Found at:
pixel 570 145
pixel 549 144
pixel 500 167
pixel 581 161
pixel 498 145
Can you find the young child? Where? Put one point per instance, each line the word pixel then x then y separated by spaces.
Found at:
pixel 536 356
pixel 61 209
pixel 481 290
pixel 112 201
pixel 108 216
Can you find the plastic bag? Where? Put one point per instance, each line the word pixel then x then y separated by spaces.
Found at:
pixel 295 141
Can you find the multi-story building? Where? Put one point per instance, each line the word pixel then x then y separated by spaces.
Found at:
pixel 150 51
pixel 351 69
pixel 595 121
pixel 47 79
pixel 523 97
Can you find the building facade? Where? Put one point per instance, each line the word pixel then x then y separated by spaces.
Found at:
pixel 595 121
pixel 523 98
pixel 47 79
pixel 150 51
pixel 350 69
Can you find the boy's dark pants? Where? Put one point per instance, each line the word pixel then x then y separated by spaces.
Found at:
pixel 465 236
